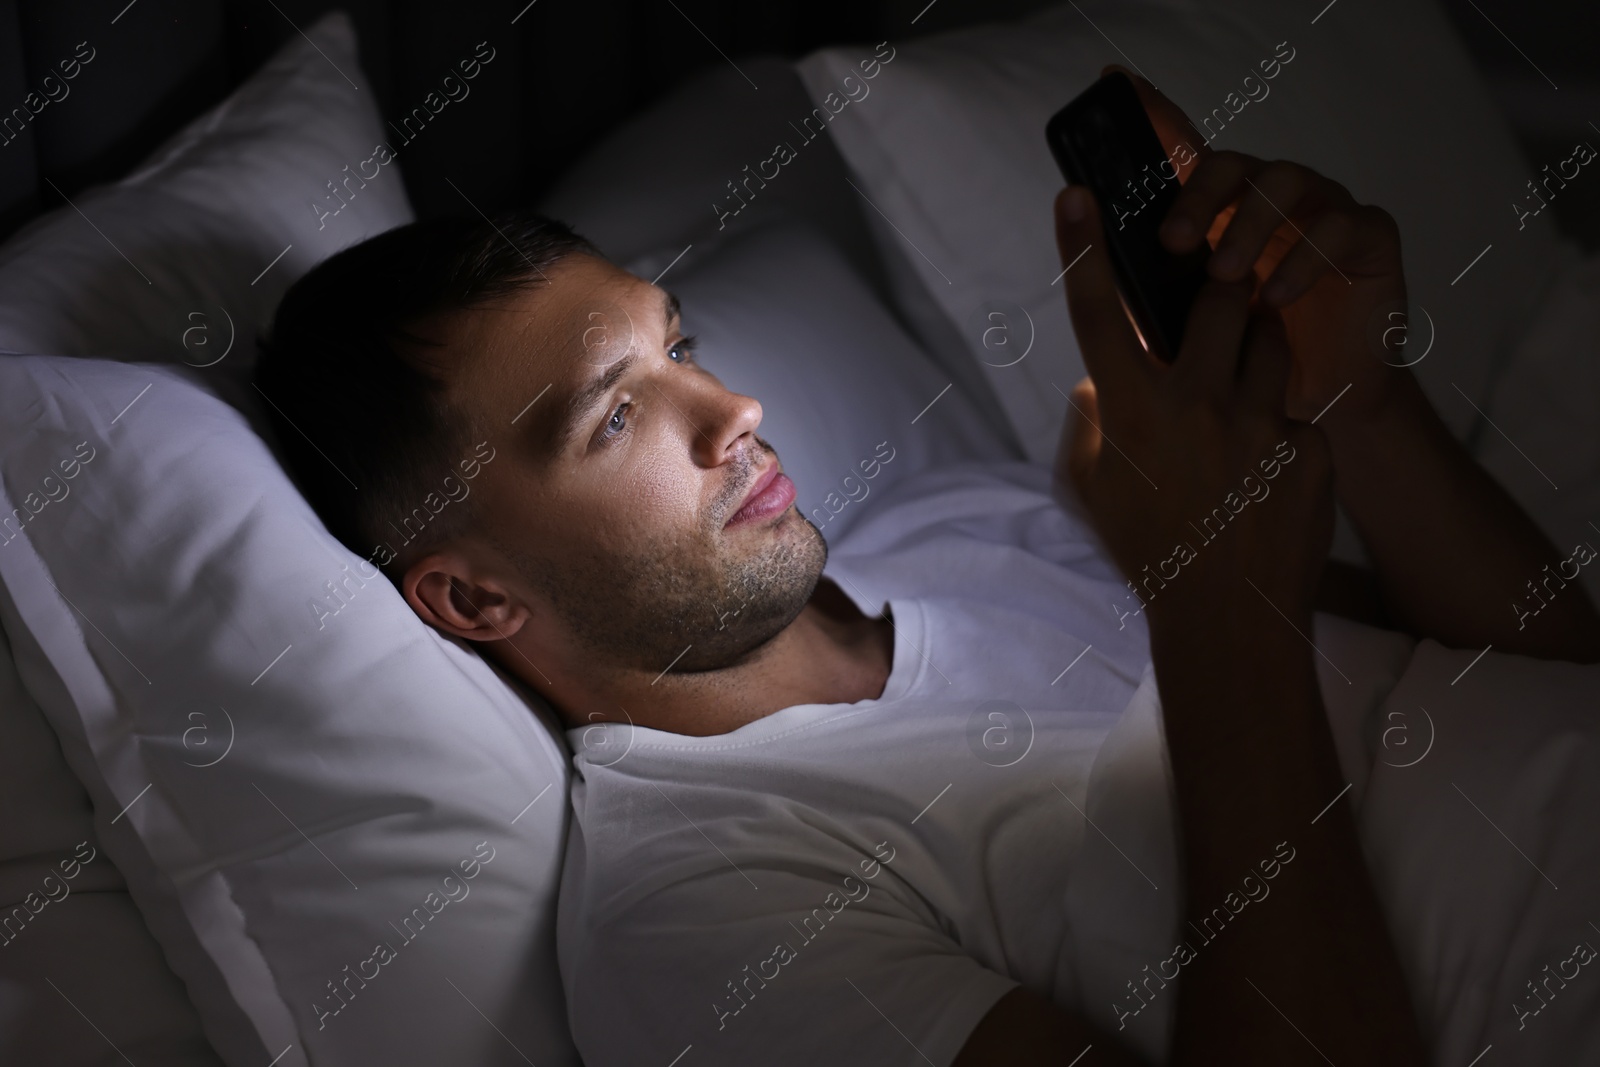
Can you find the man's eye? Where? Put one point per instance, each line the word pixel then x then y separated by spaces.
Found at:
pixel 616 425
pixel 685 348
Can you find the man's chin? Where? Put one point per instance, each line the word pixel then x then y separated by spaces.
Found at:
pixel 766 599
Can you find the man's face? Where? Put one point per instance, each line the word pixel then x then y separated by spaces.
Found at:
pixel 609 519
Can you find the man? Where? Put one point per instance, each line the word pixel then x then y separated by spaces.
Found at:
pixel 830 807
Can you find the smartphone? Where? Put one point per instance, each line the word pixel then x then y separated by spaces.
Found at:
pixel 1103 139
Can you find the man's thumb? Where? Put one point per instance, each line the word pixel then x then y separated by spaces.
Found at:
pixel 1079 449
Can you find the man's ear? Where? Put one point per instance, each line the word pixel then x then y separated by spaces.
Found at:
pixel 450 594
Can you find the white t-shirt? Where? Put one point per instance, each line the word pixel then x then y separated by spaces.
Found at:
pixel 859 883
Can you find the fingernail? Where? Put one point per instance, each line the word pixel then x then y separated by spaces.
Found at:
pixel 1074 206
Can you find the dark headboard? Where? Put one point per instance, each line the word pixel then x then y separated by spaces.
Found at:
pixel 576 69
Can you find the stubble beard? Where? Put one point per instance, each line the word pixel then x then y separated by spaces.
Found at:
pixel 685 603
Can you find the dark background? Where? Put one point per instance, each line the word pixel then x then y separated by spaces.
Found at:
pixel 570 70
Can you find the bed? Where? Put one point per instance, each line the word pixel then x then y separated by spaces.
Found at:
pixel 230 733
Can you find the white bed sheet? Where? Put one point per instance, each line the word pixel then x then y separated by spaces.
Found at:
pixel 1485 852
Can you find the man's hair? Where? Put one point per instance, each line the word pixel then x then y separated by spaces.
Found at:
pixel 352 392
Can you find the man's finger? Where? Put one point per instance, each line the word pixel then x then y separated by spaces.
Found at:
pixel 1275 194
pixel 1353 240
pixel 1208 359
pixel 1213 186
pixel 1110 348
pixel 1265 363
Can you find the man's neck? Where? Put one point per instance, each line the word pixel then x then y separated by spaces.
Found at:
pixel 830 654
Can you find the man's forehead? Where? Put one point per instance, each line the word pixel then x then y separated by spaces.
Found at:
pixel 585 307
pixel 583 299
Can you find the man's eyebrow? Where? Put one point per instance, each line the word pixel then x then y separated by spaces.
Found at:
pixel 569 420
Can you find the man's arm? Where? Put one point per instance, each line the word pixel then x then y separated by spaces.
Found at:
pixel 1354 593
pixel 1456 563
pixel 1308 974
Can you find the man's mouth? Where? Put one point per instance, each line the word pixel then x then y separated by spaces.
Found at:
pixel 771 494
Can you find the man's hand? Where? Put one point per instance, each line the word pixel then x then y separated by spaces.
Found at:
pixel 1156 452
pixel 1453 562
pixel 1190 472
pixel 1330 265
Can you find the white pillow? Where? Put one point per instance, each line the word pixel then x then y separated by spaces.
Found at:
pixel 191 252
pixel 286 763
pixel 181 262
pixel 848 400
pixel 948 142
pixel 1542 444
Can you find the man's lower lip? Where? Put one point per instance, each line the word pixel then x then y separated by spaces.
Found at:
pixel 774 498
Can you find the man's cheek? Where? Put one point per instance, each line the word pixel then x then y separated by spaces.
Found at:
pixel 658 494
